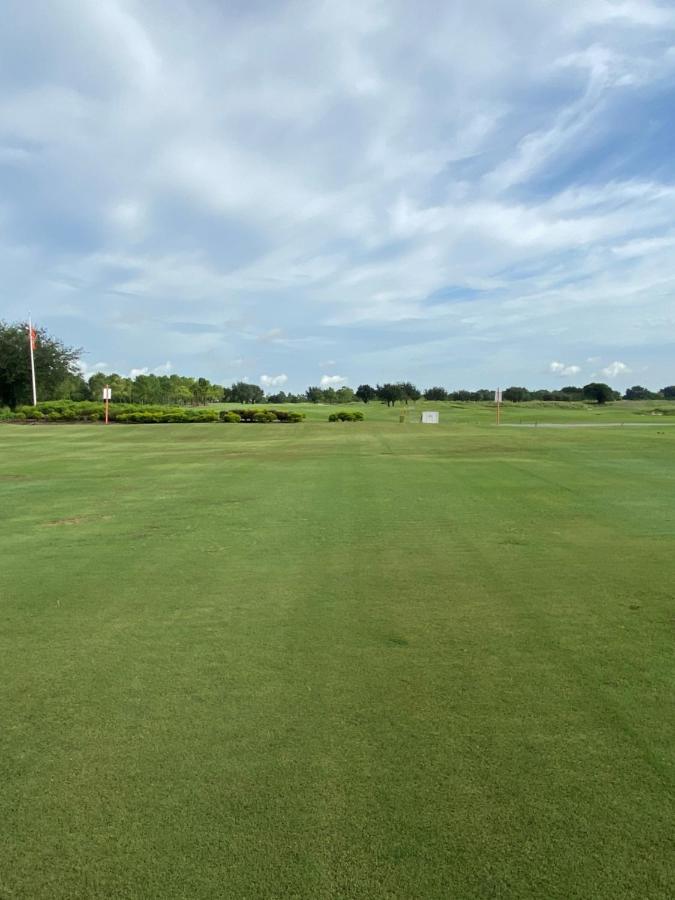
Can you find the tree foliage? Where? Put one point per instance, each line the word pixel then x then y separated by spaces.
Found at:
pixel 436 393
pixel 366 393
pixel 243 392
pixel 637 392
pixel 598 391
pixel 55 363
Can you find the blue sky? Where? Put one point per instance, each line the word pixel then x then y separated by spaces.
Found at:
pixel 460 193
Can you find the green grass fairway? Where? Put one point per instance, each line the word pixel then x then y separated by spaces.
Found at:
pixel 337 661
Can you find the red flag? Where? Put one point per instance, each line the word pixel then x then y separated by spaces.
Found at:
pixel 33 337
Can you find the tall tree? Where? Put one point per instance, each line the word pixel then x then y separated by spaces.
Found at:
pixel 366 393
pixel 598 391
pixel 409 391
pixel 243 392
pixel 54 363
pixel 344 395
pixel 516 394
pixel 389 393
pixel 314 394
pixel 436 393
pixel 637 392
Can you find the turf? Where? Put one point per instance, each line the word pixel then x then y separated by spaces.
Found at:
pixel 356 661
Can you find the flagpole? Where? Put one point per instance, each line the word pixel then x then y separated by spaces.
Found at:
pixel 31 341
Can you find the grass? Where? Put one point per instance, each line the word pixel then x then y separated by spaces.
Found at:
pixel 317 661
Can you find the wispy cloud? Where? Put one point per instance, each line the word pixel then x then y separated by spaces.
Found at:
pixel 513 189
pixel 614 369
pixel 558 368
pixel 273 380
pixel 333 380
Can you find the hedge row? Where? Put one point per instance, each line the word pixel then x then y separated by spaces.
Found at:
pixel 138 414
pixel 349 416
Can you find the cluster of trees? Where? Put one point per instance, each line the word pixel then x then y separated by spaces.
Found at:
pixel 404 392
pixel 59 378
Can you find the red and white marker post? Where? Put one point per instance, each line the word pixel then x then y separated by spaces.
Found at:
pixel 498 401
pixel 107 396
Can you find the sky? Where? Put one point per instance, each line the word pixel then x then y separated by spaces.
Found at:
pixel 466 194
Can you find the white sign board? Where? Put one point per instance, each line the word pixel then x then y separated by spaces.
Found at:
pixel 430 418
pixel 498 395
pixel 107 393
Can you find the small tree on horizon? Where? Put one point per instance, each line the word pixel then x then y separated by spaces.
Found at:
pixel 436 393
pixel 366 393
pixel 598 391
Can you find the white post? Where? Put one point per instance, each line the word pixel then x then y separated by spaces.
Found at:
pixel 31 341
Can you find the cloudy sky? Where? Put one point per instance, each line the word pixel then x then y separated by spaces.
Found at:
pixel 456 192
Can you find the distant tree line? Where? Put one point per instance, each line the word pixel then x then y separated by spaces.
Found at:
pixel 59 378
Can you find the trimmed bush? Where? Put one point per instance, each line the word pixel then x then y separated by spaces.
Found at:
pixel 288 415
pixel 206 415
pixel 346 416
pixel 264 415
pixel 261 416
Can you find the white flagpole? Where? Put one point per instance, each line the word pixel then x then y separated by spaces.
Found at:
pixel 32 360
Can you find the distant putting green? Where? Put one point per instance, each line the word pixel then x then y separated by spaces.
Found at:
pixel 360 660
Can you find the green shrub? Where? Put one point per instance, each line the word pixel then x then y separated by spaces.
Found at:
pixel 19 416
pixel 229 416
pixel 286 415
pixel 204 415
pixel 263 415
pixel 54 416
pixel 5 413
pixel 346 416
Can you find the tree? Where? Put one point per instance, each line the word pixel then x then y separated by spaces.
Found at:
pixel 637 392
pixel 669 392
pixel 366 393
pixel 281 397
pixel 54 363
pixel 314 394
pixel 598 391
pixel 73 387
pixel 516 394
pixel 389 393
pixel 436 393
pixel 344 395
pixel 409 391
pixel 243 392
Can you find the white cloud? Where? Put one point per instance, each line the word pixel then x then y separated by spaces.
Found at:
pixel 558 368
pixel 273 380
pixel 89 370
pixel 336 197
pixel 614 369
pixel 333 380
pixel 134 373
